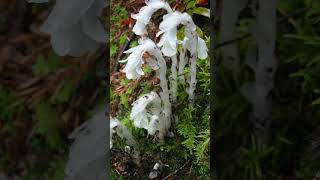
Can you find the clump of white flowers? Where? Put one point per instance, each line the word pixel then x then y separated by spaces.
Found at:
pixel 147 113
pixel 152 111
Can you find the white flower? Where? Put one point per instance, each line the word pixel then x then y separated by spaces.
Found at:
pixel 145 14
pixel 146 116
pixel 74 26
pixel 153 125
pixel 113 123
pixel 202 49
pixel 168 27
pixel 135 60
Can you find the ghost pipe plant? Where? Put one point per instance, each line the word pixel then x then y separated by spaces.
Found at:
pixel 146 113
pixel 150 111
pixel 124 133
pixel 145 14
pixel 133 70
pixel 192 42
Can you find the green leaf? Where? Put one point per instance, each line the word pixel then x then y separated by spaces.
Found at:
pixel 46 65
pixel 316 102
pixel 202 11
pixel 122 39
pixel 64 92
pixel 47 124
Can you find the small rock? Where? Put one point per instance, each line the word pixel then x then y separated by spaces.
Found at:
pixel 154 174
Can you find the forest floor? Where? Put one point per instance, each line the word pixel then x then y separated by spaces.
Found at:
pixel 43 97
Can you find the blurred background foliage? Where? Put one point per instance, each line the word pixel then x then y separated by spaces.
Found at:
pixel 293 149
pixel 43 97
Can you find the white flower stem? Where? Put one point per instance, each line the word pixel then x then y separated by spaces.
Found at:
pixel 182 64
pixel 124 132
pixel 193 74
pixel 174 80
pixel 162 72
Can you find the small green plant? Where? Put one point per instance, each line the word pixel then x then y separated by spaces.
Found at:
pixel 64 92
pixel 47 124
pixel 8 106
pixel 46 64
pixel 252 159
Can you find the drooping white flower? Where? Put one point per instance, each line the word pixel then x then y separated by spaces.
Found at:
pixel 133 68
pixel 145 14
pixel 123 132
pixel 168 27
pixel 146 111
pixel 113 123
pixel 191 43
pixel 202 49
pixel 197 48
pixel 74 26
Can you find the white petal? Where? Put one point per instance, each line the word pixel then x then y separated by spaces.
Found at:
pixel 60 41
pixel 145 14
pixel 139 28
pixel 202 49
pixel 187 20
pixel 159 33
pixel 153 125
pixel 159 4
pixel 91 24
pixel 141 117
pixel 139 71
pixel 113 122
pixel 169 42
pixel 66 13
pixel 170 21
pixel 133 64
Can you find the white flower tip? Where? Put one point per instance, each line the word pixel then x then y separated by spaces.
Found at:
pixel 159 33
pixel 202 49
pixel 123 61
pixel 139 28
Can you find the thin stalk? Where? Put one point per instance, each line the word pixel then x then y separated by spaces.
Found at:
pixel 182 64
pixel 174 82
pixel 193 73
pixel 161 73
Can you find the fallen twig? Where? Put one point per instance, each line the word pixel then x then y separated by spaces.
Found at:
pixel 124 47
pixel 178 170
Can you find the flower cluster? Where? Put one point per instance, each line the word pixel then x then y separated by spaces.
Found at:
pixel 150 111
pixel 135 59
pixel 145 14
pixel 146 112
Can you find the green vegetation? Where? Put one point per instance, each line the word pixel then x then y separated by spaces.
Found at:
pixel 291 152
pixel 188 149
